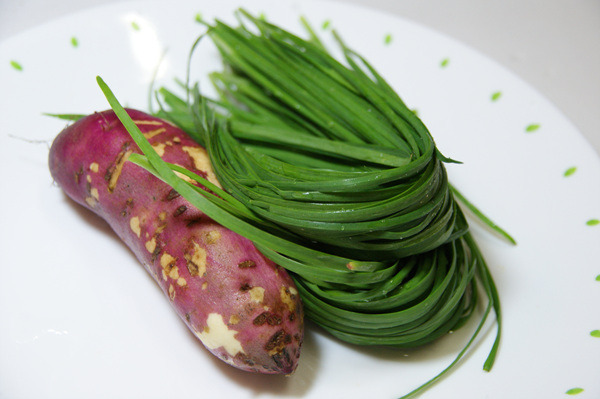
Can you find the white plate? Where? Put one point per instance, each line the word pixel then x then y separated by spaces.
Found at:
pixel 81 319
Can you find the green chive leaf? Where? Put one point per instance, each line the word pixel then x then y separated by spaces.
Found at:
pixel 16 65
pixel 570 171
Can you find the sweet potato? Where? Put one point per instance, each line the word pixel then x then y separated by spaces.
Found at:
pixel 243 307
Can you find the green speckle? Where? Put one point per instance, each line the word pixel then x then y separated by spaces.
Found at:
pixel 445 62
pixel 262 16
pixel 16 65
pixel 496 95
pixel 574 391
pixel 570 171
pixel 387 39
pixel 415 111
pixel 74 42
pixel 595 333
pixel 326 24
pixel 598 277
pixel 135 25
pixel 532 127
pixel 198 17
pixel 593 222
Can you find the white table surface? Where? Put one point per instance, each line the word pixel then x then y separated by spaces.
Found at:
pixel 554 45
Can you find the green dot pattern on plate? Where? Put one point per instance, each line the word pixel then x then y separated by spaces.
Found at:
pixel 593 222
pixel 496 95
pixel 198 17
pixel 444 63
pixel 598 277
pixel 595 333
pixel 387 39
pixel 74 42
pixel 574 391
pixel 326 24
pixel 16 65
pixel 135 25
pixel 570 171
pixel 532 127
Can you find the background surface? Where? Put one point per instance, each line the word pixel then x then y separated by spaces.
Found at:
pixel 554 45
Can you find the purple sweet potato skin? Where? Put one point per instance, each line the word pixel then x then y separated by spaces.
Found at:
pixel 243 307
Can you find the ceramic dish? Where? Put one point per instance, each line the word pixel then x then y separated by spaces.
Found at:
pixel 82 319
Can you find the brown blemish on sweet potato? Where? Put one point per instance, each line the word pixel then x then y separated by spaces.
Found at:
pixel 78 175
pixel 196 260
pixel 247 264
pixel 171 195
pixel 260 319
pixel 212 237
pixel 277 342
pixel 234 319
pixel 267 317
pixel 127 208
pixel 180 210
pixel 114 170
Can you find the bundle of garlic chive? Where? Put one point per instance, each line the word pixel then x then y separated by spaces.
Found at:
pixel 335 179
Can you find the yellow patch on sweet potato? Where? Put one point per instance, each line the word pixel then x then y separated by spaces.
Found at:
pixel 216 334
pixel 151 245
pixel 166 261
pixel 181 282
pixel 118 168
pixel 94 167
pixel 154 132
pixel 91 202
pixel 174 273
pixel 95 193
pixel 134 224
pixel 288 295
pixel 171 292
pixel 257 294
pixel 202 162
pixel 148 122
pixel 159 148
